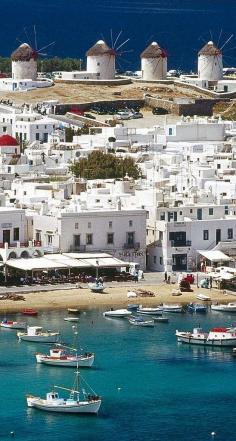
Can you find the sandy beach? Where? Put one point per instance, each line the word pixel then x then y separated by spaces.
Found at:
pixel 83 298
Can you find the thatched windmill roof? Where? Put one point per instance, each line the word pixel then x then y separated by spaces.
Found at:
pixel 24 53
pixel 100 48
pixel 210 49
pixel 153 51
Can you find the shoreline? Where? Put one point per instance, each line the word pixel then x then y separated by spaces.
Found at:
pixel 83 298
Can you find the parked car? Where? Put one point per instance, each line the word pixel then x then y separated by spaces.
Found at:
pixel 137 115
pixel 159 111
pixel 124 115
pixel 88 115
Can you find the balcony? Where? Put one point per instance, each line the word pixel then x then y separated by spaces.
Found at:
pixel 129 246
pixel 186 243
pixel 30 244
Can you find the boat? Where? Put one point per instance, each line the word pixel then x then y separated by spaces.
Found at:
pixel 30 311
pixel 73 311
pixel 60 356
pixel 132 307
pixel 203 297
pixel 89 404
pixel 234 352
pixel 37 334
pixel 172 308
pixel 149 311
pixel 96 287
pixel 71 319
pixel 140 321
pixel 9 324
pixel 161 319
pixel 117 313
pixel 229 307
pixel 215 337
pixel 197 307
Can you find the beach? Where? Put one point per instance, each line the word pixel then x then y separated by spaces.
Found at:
pixel 83 298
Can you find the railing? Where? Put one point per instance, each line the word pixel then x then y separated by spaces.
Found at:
pixel 135 245
pixel 33 243
pixel 187 243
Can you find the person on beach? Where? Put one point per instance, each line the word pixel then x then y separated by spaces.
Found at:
pixel 166 275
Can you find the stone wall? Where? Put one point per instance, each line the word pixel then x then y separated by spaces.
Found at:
pixel 61 109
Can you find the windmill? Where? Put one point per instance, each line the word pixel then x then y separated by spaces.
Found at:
pixel 25 57
pixel 154 63
pixel 101 58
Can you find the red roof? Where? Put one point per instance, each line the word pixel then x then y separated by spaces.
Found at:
pixel 7 140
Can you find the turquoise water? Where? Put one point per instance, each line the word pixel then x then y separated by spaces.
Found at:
pixel 152 388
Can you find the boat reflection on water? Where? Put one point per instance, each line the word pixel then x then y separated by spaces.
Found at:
pixel 214 353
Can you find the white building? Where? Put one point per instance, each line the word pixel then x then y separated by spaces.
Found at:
pixel 101 61
pixel 154 63
pixel 210 64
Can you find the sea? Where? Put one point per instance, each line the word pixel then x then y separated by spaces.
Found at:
pixel 181 27
pixel 152 388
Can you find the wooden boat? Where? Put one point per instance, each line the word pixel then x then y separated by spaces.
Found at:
pixel 117 313
pixel 140 321
pixel 9 324
pixel 197 307
pixel 63 357
pixel 96 287
pixel 215 337
pixel 73 311
pixel 90 404
pixel 172 308
pixel 132 307
pixel 203 297
pixel 36 334
pixel 29 311
pixel 229 307
pixel 149 311
pixel 71 319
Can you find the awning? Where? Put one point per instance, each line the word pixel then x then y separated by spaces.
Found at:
pixel 102 260
pixel 68 261
pixel 214 256
pixel 37 263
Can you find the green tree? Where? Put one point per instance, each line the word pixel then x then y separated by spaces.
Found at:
pixel 100 165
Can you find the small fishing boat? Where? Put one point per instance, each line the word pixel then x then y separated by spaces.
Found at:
pixel 203 297
pixel 172 308
pixel 197 307
pixel 36 334
pixel 132 307
pixel 71 319
pixel 140 321
pixel 117 313
pixel 90 404
pixel 62 356
pixel 73 311
pixel 149 311
pixel 9 324
pixel 229 307
pixel 96 287
pixel 30 311
pixel 215 337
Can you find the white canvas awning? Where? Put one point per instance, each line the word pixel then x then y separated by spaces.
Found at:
pixel 214 255
pixel 38 263
pixel 68 261
pixel 100 260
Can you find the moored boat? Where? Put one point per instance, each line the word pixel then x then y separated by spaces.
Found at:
pixel 172 308
pixel 30 311
pixel 197 307
pixel 60 356
pixel 203 297
pixel 140 321
pixel 132 307
pixel 96 287
pixel 73 311
pixel 71 319
pixel 215 337
pixel 117 313
pixel 150 311
pixel 229 307
pixel 9 324
pixel 37 334
pixel 90 404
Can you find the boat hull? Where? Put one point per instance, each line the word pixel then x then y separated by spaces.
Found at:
pixel 80 361
pixel 205 342
pixel 13 326
pixel 223 308
pixel 39 339
pixel 150 312
pixel 78 408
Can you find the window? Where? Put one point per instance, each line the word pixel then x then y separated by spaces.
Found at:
pixel 89 224
pixel 76 226
pixel 162 216
pixel 170 131
pixel 130 238
pixel 161 260
pixel 77 240
pixel 49 239
pixel 191 210
pixel 211 211
pixel 110 224
pixel 16 233
pixel 161 235
pixel 226 208
pixel 89 239
pixel 205 234
pixel 230 233
pixel 130 223
pixel 37 136
pixel 154 259
pixel 110 238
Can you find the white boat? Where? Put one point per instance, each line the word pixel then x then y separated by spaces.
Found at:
pixel 216 337
pixel 37 334
pixel 59 356
pixel 53 403
pixel 117 313
pixel 71 319
pixel 172 308
pixel 140 321
pixel 229 307
pixel 150 311
pixel 96 287
pixel 203 297
pixel 9 324
pixel 73 311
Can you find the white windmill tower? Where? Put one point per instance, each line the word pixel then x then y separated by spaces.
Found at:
pixel 154 63
pixel 210 63
pixel 101 60
pixel 24 63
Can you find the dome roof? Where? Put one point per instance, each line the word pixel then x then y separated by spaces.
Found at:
pixel 154 51
pixel 7 140
pixel 24 53
pixel 100 48
pixel 210 49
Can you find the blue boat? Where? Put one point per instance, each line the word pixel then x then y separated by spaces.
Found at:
pixel 132 307
pixel 197 307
